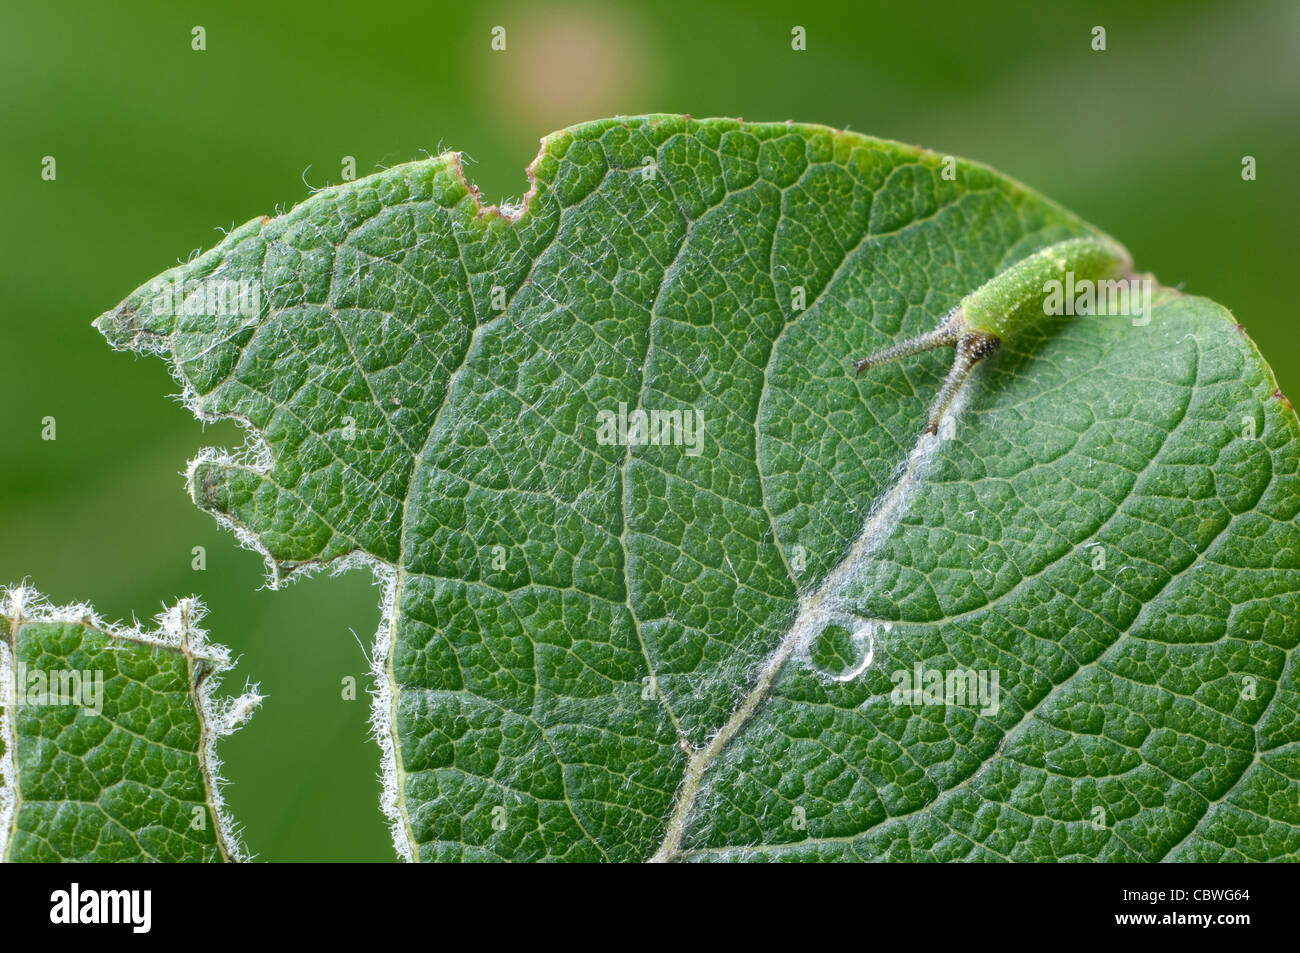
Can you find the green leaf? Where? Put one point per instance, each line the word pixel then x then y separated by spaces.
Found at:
pixel 613 650
pixel 108 736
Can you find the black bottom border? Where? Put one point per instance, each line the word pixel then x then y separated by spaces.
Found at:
pixel 935 903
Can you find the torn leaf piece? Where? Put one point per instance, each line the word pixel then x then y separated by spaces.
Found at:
pixel 108 736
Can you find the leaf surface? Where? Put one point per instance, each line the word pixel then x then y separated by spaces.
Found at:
pixel 625 648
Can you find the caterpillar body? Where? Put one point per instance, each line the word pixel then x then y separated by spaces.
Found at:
pixel 1011 300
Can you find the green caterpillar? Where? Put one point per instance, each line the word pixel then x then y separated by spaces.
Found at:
pixel 1011 300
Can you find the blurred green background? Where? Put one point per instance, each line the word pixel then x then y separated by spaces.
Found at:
pixel 155 144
